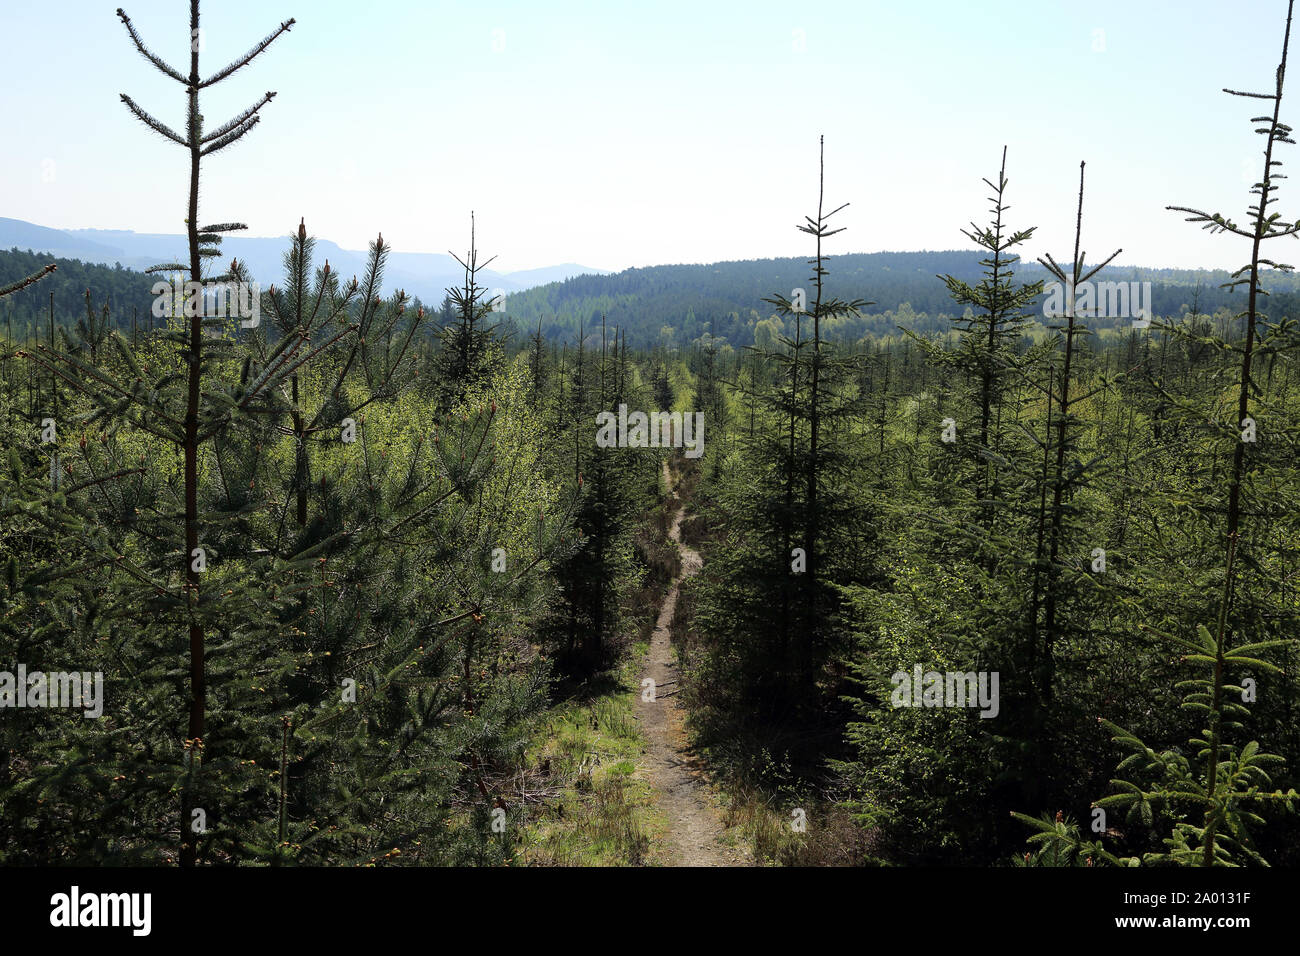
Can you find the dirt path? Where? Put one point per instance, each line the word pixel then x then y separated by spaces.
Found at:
pixel 694 826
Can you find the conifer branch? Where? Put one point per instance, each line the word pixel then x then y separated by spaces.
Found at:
pixel 103 478
pixel 231 137
pixel 240 119
pixel 247 58
pixel 24 283
pixel 157 125
pixel 283 370
pixel 1095 269
pixel 146 52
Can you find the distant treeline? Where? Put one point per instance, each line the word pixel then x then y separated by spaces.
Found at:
pixel 674 305
pixel 125 290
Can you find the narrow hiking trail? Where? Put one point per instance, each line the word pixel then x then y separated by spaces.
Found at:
pixel 694 827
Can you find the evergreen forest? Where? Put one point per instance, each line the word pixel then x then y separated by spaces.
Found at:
pixel 888 560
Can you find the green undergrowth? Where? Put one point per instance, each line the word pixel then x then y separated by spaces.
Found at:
pixel 591 807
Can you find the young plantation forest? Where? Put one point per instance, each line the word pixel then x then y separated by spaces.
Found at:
pixel 959 578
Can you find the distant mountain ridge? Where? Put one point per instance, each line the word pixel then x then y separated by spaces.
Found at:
pixel 421 274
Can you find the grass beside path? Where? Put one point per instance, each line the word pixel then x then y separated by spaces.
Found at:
pixel 598 812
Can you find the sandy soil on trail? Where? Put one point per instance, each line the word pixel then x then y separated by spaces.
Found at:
pixel 693 836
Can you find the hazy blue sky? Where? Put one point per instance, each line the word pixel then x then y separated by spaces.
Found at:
pixel 619 134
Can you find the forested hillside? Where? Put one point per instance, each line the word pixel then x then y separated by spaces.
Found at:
pixel 677 306
pixel 25 312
